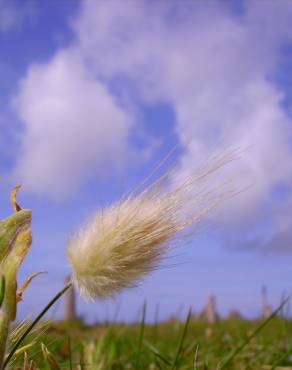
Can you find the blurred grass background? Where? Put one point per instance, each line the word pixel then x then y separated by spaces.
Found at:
pixel 173 344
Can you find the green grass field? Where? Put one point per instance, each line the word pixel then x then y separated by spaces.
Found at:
pixel 173 344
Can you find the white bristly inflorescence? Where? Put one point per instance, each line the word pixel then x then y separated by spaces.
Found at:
pixel 124 242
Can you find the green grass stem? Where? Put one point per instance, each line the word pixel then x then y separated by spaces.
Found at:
pixel 181 342
pixel 237 350
pixel 141 336
pixel 34 322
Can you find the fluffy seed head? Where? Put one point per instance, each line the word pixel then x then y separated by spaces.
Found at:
pixel 127 240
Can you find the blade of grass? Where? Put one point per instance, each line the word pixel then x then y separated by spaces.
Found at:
pixel 34 322
pixel 157 363
pixel 191 347
pixel 157 353
pixel 282 358
pixel 284 320
pixel 33 353
pixel 156 319
pixel 236 351
pixel 196 357
pixel 70 353
pixel 141 336
pixel 50 360
pixel 180 345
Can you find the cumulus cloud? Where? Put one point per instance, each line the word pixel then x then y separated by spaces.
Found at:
pixel 73 126
pixel 213 64
pixel 214 67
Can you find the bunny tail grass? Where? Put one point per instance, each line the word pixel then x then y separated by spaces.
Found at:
pixel 124 242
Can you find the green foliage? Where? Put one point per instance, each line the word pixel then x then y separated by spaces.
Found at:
pixel 15 240
pixel 174 344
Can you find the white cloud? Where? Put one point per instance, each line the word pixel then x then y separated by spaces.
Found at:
pixel 214 68
pixel 73 126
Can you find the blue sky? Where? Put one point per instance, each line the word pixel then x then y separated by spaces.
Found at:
pixel 94 94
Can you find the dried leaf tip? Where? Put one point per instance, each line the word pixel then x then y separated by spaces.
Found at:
pixel 13 194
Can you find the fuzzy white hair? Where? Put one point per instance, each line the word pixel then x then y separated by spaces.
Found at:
pixel 127 240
